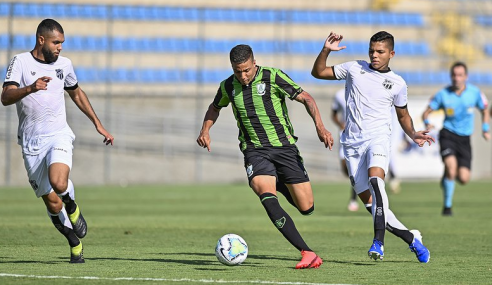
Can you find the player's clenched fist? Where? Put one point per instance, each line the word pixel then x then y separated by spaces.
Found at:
pixel 203 140
pixel 41 84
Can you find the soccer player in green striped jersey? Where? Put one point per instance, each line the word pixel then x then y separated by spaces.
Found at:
pixel 272 161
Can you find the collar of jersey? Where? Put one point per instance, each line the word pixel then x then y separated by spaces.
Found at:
pixel 254 79
pixel 38 60
pixel 386 71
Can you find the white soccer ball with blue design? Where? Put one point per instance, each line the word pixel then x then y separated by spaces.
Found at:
pixel 231 249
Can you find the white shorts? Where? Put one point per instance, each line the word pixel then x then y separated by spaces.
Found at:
pixel 56 149
pixel 373 153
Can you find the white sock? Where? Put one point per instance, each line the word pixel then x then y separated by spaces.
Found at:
pixel 62 215
pixel 70 190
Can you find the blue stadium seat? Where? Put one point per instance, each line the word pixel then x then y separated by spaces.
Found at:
pixel 4 41
pixel 20 42
pixel 4 9
pixel 24 10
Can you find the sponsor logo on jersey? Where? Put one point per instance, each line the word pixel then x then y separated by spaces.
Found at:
pixel 388 84
pixel 61 149
pixel 59 73
pixel 362 70
pixel 261 88
pixel 33 73
pixel 9 69
pixel 378 154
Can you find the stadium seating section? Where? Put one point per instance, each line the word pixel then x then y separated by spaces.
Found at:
pixel 411 48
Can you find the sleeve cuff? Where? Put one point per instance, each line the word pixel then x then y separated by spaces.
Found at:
pixel 7 83
pixel 72 87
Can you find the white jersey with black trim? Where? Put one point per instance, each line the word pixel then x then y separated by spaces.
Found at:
pixel 41 114
pixel 369 96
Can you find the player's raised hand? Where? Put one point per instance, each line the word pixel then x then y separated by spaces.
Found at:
pixel 108 138
pixel 203 140
pixel 325 137
pixel 41 84
pixel 421 137
pixel 332 42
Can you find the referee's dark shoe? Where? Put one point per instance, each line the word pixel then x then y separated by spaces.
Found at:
pixel 447 211
pixel 78 223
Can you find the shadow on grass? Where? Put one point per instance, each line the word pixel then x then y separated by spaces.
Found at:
pixel 34 261
pixel 213 263
pixel 368 263
pixel 252 256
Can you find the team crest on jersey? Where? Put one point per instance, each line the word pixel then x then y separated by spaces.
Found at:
pixel 249 169
pixel 388 84
pixel 59 73
pixel 261 88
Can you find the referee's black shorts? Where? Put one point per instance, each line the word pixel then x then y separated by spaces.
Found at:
pixel 284 162
pixel 459 146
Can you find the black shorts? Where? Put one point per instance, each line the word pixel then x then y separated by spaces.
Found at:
pixel 459 146
pixel 284 162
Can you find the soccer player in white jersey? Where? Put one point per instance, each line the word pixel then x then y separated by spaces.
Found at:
pixel 338 117
pixel 35 82
pixel 371 90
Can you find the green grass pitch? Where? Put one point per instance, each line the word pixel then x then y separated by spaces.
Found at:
pixel 167 234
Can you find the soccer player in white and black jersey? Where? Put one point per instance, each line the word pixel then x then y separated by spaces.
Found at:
pixel 35 82
pixel 371 90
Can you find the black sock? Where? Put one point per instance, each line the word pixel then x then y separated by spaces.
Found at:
pixel 72 239
pixel 70 205
pixel 353 195
pixel 379 220
pixel 405 235
pixel 285 191
pixel 282 221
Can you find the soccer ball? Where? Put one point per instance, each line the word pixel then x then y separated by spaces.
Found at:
pixel 231 249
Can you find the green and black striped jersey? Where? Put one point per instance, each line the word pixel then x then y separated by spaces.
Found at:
pixel 259 108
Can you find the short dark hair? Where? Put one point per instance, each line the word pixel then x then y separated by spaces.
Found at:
pixel 384 36
pixel 240 54
pixel 48 25
pixel 457 64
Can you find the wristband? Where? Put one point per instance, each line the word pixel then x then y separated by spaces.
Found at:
pixel 426 122
pixel 485 127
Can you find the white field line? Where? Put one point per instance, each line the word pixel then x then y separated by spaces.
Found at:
pixel 161 279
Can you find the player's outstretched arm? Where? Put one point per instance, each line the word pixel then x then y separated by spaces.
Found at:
pixel 425 116
pixel 11 94
pixel 406 123
pixel 211 116
pixel 323 134
pixel 320 70
pixel 80 99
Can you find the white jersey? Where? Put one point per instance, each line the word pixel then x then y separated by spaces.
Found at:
pixel 369 97
pixel 41 114
pixel 338 104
